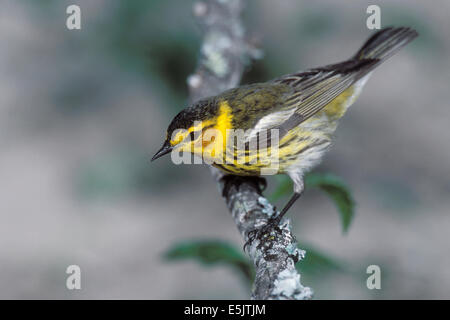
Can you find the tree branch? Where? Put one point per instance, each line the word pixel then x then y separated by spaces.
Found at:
pixel 222 59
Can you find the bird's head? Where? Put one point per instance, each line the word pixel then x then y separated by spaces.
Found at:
pixel 188 130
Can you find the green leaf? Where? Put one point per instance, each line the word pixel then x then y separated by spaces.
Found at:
pixel 339 193
pixel 317 262
pixel 284 188
pixel 212 252
pixel 331 184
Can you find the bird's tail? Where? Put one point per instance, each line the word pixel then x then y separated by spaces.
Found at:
pixel 385 43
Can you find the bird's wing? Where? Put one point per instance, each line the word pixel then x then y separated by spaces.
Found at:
pixel 309 92
pixel 312 90
pixel 316 88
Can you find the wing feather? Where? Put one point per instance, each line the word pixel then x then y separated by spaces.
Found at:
pixel 312 90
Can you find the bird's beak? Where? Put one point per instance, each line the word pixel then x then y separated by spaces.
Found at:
pixel 165 149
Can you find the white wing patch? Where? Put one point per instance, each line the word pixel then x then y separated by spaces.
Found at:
pixel 268 122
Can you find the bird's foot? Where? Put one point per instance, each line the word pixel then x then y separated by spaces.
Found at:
pixel 264 233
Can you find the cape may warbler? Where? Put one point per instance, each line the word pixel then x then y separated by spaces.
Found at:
pixel 235 130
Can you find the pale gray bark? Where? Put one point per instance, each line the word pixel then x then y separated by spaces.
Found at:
pixel 223 54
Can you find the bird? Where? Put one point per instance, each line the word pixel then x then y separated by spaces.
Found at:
pixel 293 117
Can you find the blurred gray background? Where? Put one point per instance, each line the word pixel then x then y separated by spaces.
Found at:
pixel 81 113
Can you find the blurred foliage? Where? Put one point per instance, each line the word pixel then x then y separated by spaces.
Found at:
pixel 314 23
pixel 79 94
pixel 123 172
pixel 127 36
pixel 395 195
pixel 137 43
pixel 428 40
pixel 211 253
pixel 174 60
pixel 216 252
pixel 334 187
pixel 317 263
pixel 338 192
pixel 259 71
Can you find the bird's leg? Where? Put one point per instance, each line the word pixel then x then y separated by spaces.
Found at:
pixel 272 224
pixel 288 205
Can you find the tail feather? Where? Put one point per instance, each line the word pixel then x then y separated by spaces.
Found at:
pixel 385 43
